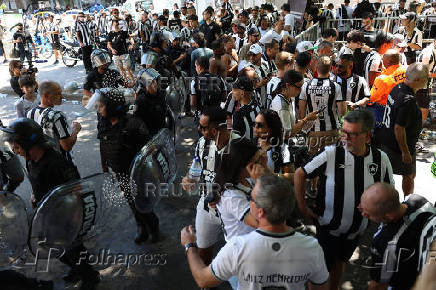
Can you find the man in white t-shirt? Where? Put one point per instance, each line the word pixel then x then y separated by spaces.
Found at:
pixel 288 259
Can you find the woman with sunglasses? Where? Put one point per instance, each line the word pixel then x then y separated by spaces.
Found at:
pixel 268 131
pixel 283 103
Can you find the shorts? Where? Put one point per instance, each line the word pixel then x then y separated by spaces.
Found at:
pixel 207 226
pixel 318 140
pixel 423 98
pixel 56 45
pixel 335 248
pixel 122 60
pixel 398 167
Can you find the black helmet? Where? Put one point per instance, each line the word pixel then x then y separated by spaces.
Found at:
pixel 114 101
pixel 25 132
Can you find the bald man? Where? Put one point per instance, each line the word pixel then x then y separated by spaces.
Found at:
pixel 395 247
pixel 393 74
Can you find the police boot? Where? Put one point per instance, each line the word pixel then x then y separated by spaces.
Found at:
pixel 142 232
pixel 152 221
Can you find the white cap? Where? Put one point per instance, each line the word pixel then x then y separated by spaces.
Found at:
pixel 269 36
pixel 255 49
pixel 304 46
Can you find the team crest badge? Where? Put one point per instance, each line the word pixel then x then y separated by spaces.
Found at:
pixel 372 167
pixel 352 85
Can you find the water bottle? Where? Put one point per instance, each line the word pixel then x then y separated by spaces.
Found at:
pixel 195 170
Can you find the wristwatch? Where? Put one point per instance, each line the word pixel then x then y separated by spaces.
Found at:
pixel 190 245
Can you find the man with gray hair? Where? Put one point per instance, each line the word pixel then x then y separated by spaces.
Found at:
pixel 344 173
pixel 402 125
pixel 289 259
pixel 395 248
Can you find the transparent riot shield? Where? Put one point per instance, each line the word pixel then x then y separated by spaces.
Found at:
pixel 14 228
pixel 72 213
pixel 153 170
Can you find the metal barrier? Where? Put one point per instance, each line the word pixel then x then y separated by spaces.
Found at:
pixel 314 32
pixel 311 34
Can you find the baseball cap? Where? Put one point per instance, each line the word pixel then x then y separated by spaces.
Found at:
pixel 399 40
pixel 235 22
pixel 243 83
pixel 242 26
pixel 304 46
pixel 408 15
pixel 253 31
pixel 255 49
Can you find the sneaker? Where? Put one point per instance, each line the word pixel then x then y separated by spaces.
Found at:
pixel 5 61
pixel 56 62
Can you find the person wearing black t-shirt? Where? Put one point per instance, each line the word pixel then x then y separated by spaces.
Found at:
pixel 395 248
pixel 47 169
pixel 117 44
pixel 24 44
pixel 402 125
pixel 210 29
pixel 369 32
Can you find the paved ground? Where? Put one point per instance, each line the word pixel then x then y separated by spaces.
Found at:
pixel 174 212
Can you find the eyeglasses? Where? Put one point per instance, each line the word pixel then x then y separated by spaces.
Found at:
pixel 258 125
pixel 351 134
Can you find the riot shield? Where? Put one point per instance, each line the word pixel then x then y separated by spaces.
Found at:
pixel 153 167
pixel 14 228
pixel 72 213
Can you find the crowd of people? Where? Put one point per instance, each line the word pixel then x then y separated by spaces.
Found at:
pixel 254 93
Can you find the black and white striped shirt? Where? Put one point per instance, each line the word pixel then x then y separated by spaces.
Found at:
pixel 54 124
pixel 321 92
pixel 243 119
pixel 84 31
pixel 373 62
pixel 143 27
pixel 343 178
pixel 354 89
pixel 206 151
pixel 268 65
pixel 103 25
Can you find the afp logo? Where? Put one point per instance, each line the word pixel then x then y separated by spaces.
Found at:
pixel 373 168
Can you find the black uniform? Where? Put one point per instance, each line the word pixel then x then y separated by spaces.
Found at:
pixel 49 172
pixel 120 143
pixel 110 79
pixel 151 109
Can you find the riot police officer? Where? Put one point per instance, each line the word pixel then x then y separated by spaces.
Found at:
pixel 47 169
pixel 156 57
pixel 101 76
pixel 121 137
pixel 150 102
